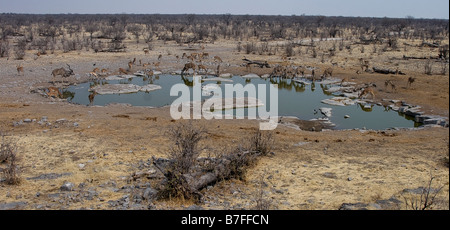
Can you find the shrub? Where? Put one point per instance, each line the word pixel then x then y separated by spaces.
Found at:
pixel 20 49
pixel 183 158
pixel 290 50
pixel 428 67
pixel 8 155
pixel 4 48
pixel 425 200
pixel 185 173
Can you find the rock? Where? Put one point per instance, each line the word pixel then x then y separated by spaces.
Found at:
pixel 413 112
pixel 68 186
pixel 339 101
pixel 252 75
pixel 420 190
pixel 350 179
pixel 326 111
pixel 390 204
pixel 330 175
pixel 13 205
pixel 17 123
pixel 402 109
pixel 351 95
pixel 302 81
pixel 62 120
pixel 27 120
pixel 354 206
pixel 218 79
pixel 226 75
pixel 338 89
pixel 123 88
pixel 367 106
pixel 81 166
pixel 194 207
pixel 301 143
pixel 48 176
pixel 149 194
pixel 346 116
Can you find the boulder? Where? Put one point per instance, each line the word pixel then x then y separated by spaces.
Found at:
pixel 149 194
pixel 225 75
pixel 339 101
pixel 252 75
pixel 13 205
pixel 68 186
pixel 326 111
pixel 123 88
pixel 216 79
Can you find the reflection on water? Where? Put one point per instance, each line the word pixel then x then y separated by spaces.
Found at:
pixel 288 84
pixel 295 99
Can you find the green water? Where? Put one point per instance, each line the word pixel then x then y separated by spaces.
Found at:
pixel 294 99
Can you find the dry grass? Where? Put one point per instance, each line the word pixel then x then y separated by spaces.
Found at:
pixel 8 154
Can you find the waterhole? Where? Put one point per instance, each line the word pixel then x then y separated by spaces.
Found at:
pixel 296 99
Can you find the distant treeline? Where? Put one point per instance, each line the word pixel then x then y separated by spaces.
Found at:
pixel 77 31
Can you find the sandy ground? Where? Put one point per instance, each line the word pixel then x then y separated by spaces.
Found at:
pixel 308 170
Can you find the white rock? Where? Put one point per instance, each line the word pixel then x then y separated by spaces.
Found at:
pixel 252 75
pixel 326 111
pixel 226 75
pixel 123 88
pixel 217 79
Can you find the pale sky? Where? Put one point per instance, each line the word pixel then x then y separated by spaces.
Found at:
pixel 362 8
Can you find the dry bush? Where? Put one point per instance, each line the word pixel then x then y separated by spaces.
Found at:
pixel 250 48
pixel 186 174
pixel 186 138
pixel 444 68
pixel 262 203
pixel 314 54
pixel 4 48
pixel 428 67
pixel 239 47
pixel 183 159
pixel 262 142
pixel 426 200
pixel 290 50
pixel 8 154
pixel 20 49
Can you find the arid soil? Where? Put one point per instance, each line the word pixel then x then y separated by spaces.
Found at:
pixel 99 148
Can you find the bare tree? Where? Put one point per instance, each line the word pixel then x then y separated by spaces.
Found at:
pixel 4 48
pixel 427 197
pixel 136 30
pixel 20 49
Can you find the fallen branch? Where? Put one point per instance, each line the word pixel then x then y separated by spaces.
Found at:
pixel 260 64
pixel 387 71
pixel 419 58
pixel 223 168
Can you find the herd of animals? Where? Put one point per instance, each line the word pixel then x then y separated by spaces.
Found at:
pixel 195 63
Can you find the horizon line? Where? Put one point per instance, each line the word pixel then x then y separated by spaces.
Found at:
pixel 214 14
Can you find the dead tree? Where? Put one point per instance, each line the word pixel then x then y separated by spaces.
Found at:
pixel 258 63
